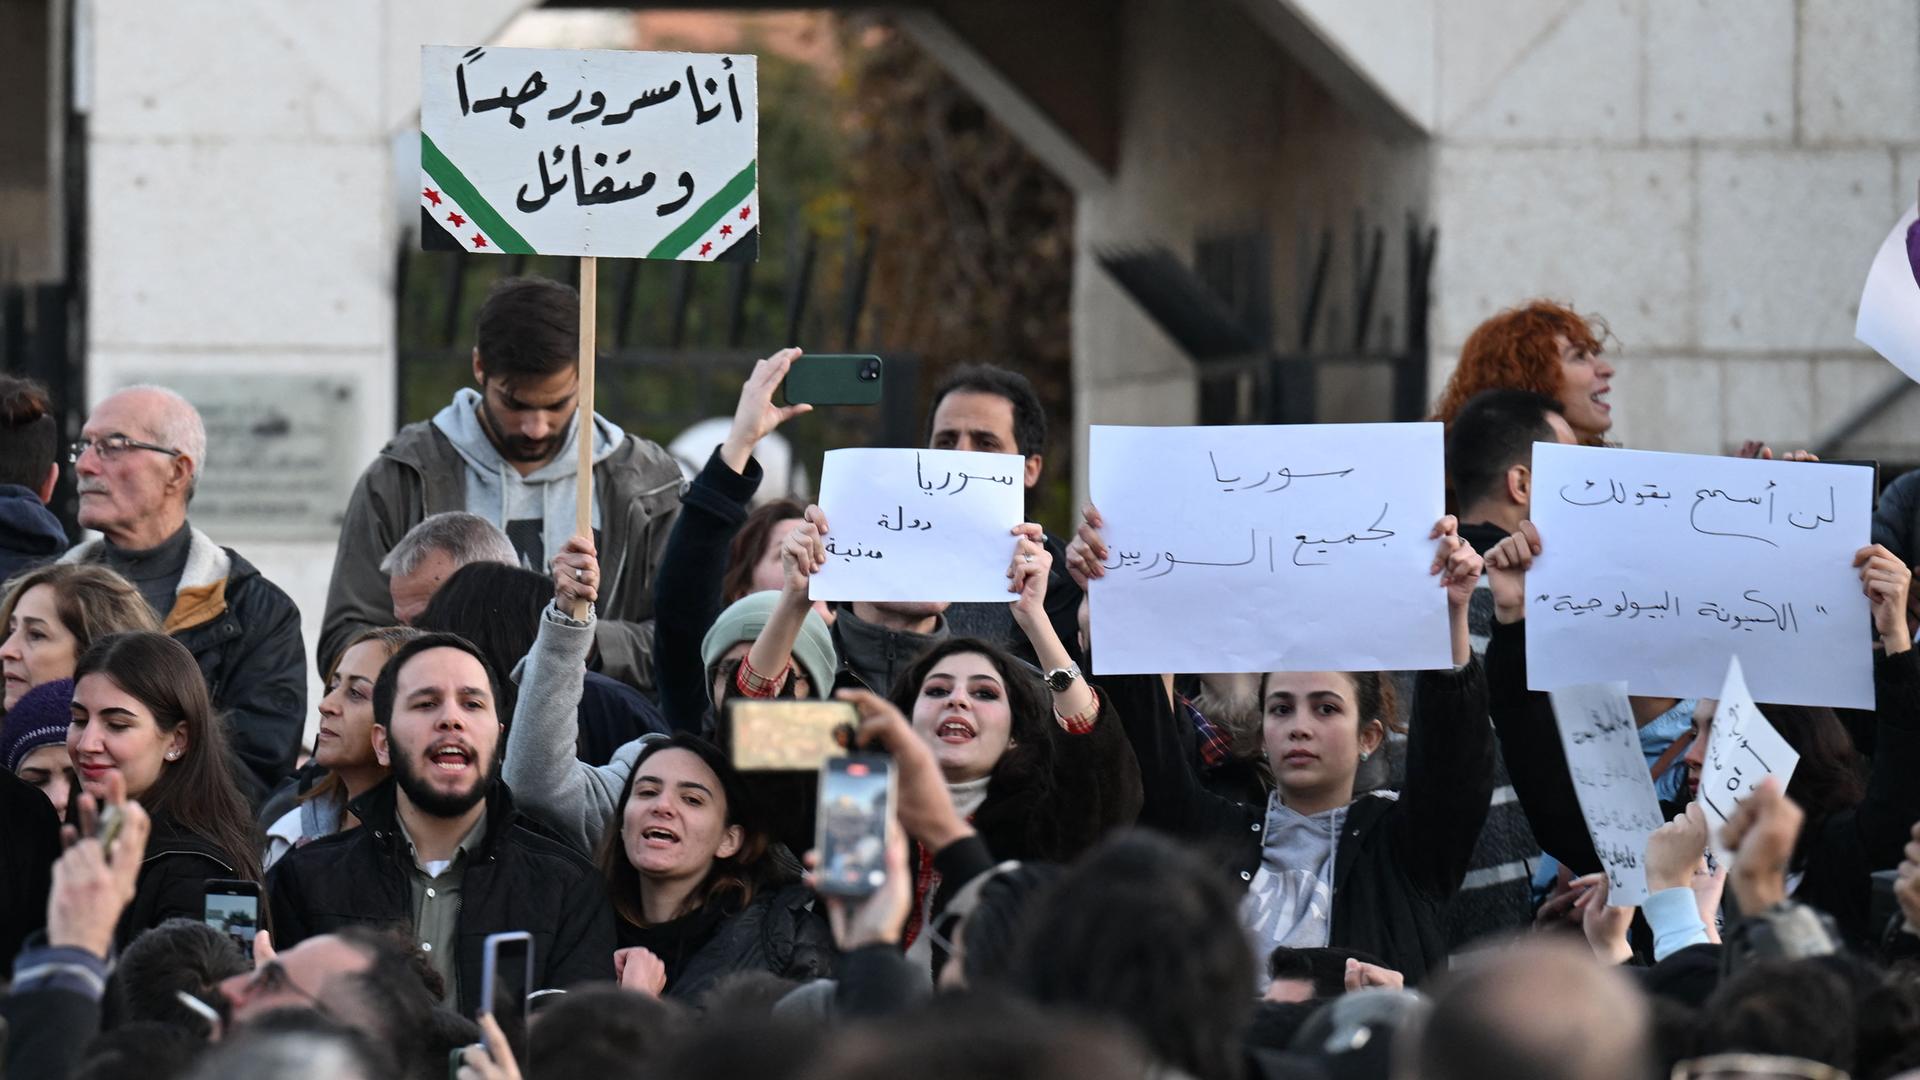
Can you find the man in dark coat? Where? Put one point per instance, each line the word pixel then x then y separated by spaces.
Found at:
pixel 440 848
pixel 140 457
pixel 29 438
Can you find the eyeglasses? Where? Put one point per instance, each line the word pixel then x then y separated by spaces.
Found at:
pixel 113 446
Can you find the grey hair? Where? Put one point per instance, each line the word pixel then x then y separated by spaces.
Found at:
pixel 178 427
pixel 286 1055
pixel 464 538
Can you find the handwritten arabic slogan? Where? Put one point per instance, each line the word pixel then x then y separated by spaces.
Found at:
pixel 919 524
pixel 624 154
pixel 1742 750
pixel 1659 567
pixel 1287 548
pixel 1611 780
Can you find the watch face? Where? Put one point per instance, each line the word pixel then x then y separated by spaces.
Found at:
pixel 1059 679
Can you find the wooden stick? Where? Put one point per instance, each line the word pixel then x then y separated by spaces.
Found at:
pixel 583 423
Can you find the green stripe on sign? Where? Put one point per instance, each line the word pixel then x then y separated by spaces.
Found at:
pixel 491 223
pixel 704 218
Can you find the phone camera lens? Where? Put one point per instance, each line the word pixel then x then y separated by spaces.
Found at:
pixel 870 371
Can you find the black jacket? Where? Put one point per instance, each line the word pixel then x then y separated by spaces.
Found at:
pixel 29 844
pixel 256 669
pixel 173 880
pixel 29 533
pixel 780 932
pixel 1836 854
pixel 1399 861
pixel 520 879
pixel 687 589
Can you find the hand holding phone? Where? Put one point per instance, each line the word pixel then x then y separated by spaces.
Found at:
pixel 506 980
pixel 856 805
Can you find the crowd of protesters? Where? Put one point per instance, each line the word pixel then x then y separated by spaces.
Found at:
pixel 526 729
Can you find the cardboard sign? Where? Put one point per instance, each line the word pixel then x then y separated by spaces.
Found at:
pixel 641 155
pixel 912 525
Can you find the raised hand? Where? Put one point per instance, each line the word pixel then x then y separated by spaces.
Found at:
pixel 879 918
pixel 1605 927
pixel 1456 560
pixel 93 884
pixel 756 416
pixel 1087 554
pixel 1677 849
pixel 803 552
pixel 1507 566
pixel 576 574
pixel 491 1060
pixel 1906 887
pixel 1761 833
pixel 1365 976
pixel 1886 580
pixel 640 970
pixel 1027 574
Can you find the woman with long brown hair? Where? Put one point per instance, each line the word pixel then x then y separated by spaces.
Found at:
pixel 696 883
pixel 140 710
pixel 343 745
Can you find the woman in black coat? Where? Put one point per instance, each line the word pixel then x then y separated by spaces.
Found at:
pixel 140 709
pixel 700 891
pixel 1320 866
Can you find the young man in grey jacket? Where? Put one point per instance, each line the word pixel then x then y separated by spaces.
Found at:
pixel 506 453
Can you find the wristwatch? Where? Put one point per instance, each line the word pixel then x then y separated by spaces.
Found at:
pixel 1062 677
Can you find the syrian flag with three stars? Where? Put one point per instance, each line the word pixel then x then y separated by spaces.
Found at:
pixel 733 236
pixel 446 226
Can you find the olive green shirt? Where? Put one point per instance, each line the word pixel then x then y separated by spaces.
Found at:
pixel 436 904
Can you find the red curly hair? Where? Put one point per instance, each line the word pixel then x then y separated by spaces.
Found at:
pixel 1515 350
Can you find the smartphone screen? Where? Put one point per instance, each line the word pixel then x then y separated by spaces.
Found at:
pixel 506 972
pixel 856 802
pixel 233 907
pixel 788 736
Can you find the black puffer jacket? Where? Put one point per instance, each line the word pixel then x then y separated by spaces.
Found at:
pixel 1399 861
pixel 781 931
pixel 520 879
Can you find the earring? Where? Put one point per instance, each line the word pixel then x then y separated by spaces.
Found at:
pixel 173 755
pixel 1364 755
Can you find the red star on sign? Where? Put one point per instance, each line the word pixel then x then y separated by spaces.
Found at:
pixel 726 230
pixel 745 211
pixel 432 196
pixel 479 241
pixel 456 219
pixel 706 247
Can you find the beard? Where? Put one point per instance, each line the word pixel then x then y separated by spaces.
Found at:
pixel 432 800
pixel 518 447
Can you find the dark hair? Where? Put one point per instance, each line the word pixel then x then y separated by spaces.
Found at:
pixel 529 327
pixel 179 954
pixel 1325 968
pixel 1029 416
pixel 497 608
pixel 143 1050
pixel 387 685
pixel 29 433
pixel 1145 932
pixel 743 554
pixel 1495 431
pixel 1797 1008
pixel 733 880
pixel 967 1036
pixel 390 636
pixel 603 1031
pixel 1828 778
pixel 196 793
pixel 396 998
pixel 992 930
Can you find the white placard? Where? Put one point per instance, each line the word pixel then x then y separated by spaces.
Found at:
pixel 919 524
pixel 642 155
pixel 1285 548
pixel 1742 750
pixel 1889 320
pixel 1657 568
pixel 1611 779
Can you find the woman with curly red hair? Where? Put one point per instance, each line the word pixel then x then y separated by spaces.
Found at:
pixel 1544 347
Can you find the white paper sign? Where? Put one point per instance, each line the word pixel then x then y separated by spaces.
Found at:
pixel 643 155
pixel 1657 568
pixel 1284 548
pixel 1742 750
pixel 919 524
pixel 1610 777
pixel 1889 320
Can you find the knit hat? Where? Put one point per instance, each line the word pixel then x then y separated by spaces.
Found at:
pixel 746 617
pixel 38 719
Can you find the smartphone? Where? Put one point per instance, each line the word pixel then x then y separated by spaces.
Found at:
pixel 107 826
pixel 233 907
pixel 856 802
pixel 833 379
pixel 788 736
pixel 506 981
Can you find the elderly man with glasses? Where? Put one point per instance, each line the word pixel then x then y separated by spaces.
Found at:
pixel 137 462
